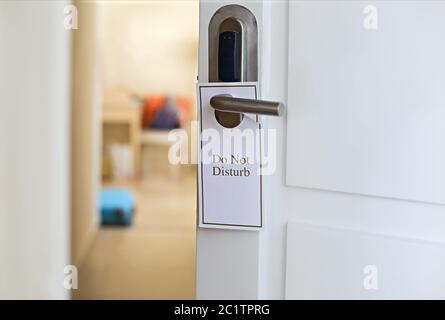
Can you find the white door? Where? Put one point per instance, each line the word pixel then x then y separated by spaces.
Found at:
pixel 355 206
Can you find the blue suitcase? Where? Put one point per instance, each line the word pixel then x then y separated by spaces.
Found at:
pixel 116 207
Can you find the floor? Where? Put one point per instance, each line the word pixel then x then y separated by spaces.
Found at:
pixel 153 259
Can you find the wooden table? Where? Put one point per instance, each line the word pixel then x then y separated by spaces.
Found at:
pixel 130 116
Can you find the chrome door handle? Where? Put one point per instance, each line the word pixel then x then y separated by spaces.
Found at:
pixel 227 103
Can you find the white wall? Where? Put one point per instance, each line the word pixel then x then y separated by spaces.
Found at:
pixel 86 131
pixel 34 183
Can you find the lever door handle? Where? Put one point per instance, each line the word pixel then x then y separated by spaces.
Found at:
pixel 227 103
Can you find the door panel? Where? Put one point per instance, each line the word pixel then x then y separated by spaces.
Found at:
pixel 326 263
pixel 324 152
pixel 366 106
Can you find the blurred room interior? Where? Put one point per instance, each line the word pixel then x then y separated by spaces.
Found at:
pixel 132 212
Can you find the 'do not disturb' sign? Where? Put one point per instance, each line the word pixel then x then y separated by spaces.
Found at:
pixel 230 187
pixel 234 159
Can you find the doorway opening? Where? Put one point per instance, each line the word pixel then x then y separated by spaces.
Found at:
pixel 133 212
